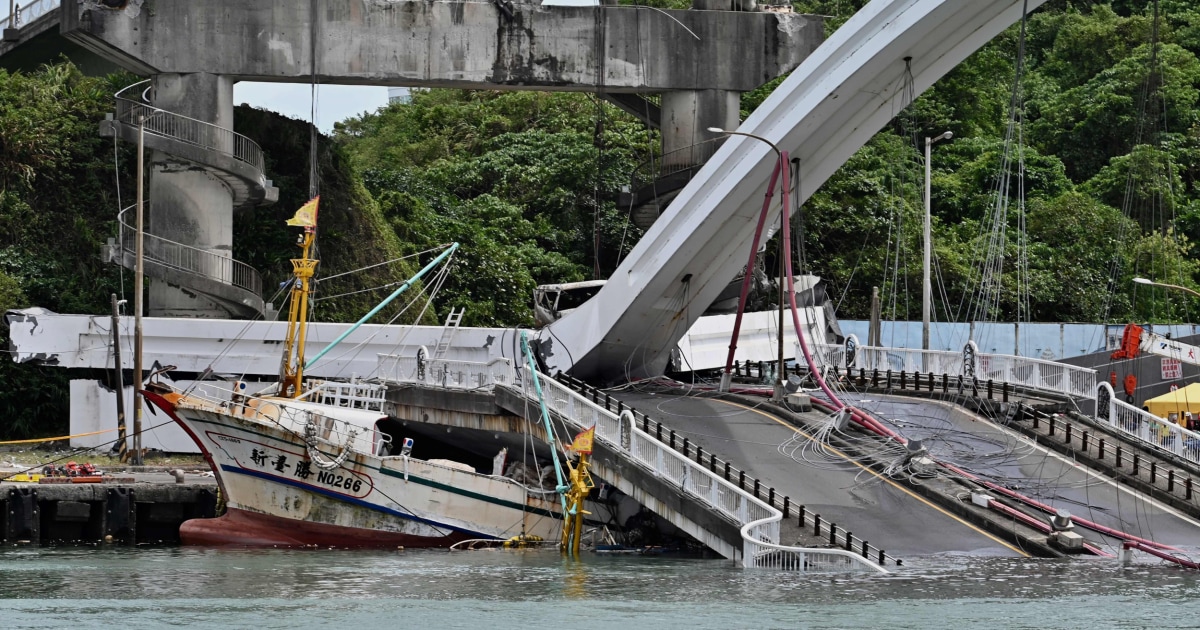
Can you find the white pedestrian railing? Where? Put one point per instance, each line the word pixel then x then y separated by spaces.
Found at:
pixel 1039 374
pixel 1145 426
pixel 27 12
pixel 759 521
pixel 909 360
pixel 1035 374
pixel 354 394
pixel 447 373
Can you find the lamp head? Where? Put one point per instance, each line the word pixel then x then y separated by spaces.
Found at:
pixel 1142 281
pixel 716 130
pixel 946 135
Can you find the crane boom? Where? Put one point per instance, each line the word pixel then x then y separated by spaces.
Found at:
pixel 1156 344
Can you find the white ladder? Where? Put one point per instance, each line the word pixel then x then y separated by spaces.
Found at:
pixel 452 321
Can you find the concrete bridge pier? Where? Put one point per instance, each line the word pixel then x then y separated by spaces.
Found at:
pixel 686 117
pixel 188 204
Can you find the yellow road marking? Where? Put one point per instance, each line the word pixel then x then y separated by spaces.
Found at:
pixel 877 475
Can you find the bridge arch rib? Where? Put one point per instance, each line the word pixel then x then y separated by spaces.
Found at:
pixel 828 108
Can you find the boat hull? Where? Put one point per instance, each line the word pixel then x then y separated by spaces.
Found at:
pixel 243 528
pixel 276 494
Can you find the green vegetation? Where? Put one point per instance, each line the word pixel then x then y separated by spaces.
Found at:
pixel 526 182
pixel 523 180
pixel 1111 128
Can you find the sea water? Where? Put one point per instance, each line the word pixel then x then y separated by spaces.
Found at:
pixel 162 587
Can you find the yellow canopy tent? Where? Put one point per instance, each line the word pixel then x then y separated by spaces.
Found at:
pixel 1177 402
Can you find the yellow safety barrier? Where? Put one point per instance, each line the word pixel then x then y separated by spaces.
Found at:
pixel 61 437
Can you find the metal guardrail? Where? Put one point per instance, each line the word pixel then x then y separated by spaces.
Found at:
pixel 187 130
pixel 28 13
pixel 1037 374
pixel 190 259
pixel 1145 426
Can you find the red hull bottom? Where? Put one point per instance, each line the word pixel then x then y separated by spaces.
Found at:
pixel 240 528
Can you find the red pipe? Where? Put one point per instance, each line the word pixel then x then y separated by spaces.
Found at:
pixel 835 404
pixel 762 219
pixel 785 234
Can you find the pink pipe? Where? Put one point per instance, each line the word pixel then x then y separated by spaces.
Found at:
pixel 865 420
pixel 1050 510
pixel 785 234
pixel 836 403
pixel 874 426
pixel 1039 525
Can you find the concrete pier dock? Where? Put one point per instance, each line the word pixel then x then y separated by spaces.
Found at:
pixel 147 510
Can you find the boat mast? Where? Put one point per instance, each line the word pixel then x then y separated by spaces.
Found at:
pixel 291 377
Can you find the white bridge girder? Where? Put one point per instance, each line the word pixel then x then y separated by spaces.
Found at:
pixel 240 349
pixel 828 108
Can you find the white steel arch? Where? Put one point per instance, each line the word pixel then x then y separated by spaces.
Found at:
pixel 827 109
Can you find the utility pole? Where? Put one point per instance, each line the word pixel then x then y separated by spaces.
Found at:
pixel 927 286
pixel 875 328
pixel 118 384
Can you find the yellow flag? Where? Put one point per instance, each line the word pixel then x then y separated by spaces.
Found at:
pixel 306 216
pixel 583 441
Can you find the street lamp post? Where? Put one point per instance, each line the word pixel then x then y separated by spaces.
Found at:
pixel 138 288
pixel 781 169
pixel 1165 285
pixel 926 284
pixel 139 257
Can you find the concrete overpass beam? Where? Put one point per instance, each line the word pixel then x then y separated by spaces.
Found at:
pixel 469 45
pixel 187 203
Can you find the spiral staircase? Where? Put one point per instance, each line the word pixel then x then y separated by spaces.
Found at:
pixel 231 158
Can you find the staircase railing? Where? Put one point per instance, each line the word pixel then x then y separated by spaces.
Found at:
pixel 190 259
pixel 183 129
pixel 670 162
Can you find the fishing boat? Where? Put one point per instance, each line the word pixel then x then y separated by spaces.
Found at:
pixel 295 470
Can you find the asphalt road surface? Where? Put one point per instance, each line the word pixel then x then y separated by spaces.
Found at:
pixel 988 450
pixel 824 480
